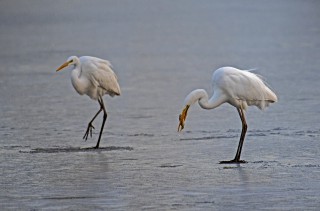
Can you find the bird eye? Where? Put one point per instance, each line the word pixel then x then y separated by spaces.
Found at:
pixel 71 61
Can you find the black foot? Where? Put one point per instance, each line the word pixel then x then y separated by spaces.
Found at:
pixel 89 131
pixel 90 148
pixel 96 147
pixel 232 161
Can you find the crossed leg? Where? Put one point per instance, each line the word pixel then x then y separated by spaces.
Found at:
pixel 91 127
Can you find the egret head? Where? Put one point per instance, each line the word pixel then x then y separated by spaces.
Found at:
pixel 72 60
pixel 182 118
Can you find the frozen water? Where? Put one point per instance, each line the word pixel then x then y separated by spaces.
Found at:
pixel 161 50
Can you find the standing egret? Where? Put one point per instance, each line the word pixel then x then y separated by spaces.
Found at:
pixel 94 77
pixel 239 88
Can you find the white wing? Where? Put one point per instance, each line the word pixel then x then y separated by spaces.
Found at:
pixel 244 86
pixel 100 73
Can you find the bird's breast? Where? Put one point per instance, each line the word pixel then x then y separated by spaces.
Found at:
pixel 80 84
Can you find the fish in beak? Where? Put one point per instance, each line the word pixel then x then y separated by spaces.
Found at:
pixel 182 118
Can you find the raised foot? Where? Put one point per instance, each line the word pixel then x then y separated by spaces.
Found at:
pixel 89 131
pixel 233 161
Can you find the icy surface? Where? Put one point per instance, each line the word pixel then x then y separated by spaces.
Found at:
pixel 161 50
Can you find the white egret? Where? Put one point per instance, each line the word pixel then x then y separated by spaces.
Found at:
pixel 239 88
pixel 94 77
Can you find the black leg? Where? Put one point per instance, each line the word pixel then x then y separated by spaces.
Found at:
pixel 103 122
pixel 243 134
pixel 90 126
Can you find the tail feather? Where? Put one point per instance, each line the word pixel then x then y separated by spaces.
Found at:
pixel 263 93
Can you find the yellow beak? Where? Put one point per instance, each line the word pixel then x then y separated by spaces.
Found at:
pixel 182 118
pixel 62 66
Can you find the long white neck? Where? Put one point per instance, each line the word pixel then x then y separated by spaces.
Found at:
pixel 77 81
pixel 201 96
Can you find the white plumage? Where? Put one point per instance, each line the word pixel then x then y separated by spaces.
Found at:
pixel 239 88
pixel 94 77
pixel 242 88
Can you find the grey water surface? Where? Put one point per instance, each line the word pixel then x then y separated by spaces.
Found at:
pixel 160 50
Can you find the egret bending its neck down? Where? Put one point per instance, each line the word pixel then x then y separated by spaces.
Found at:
pixel 240 88
pixel 201 96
